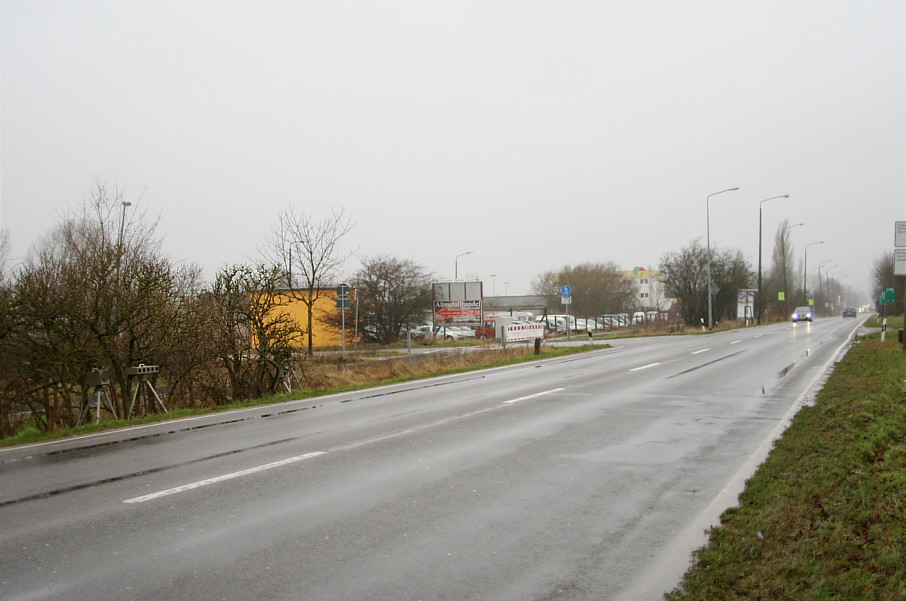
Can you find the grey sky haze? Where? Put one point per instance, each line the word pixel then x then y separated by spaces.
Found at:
pixel 535 134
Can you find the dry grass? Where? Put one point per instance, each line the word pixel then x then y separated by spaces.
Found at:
pixel 364 370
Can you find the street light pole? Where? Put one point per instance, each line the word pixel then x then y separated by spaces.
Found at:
pixel 708 236
pixel 758 296
pixel 119 241
pixel 805 271
pixel 820 288
pixel 456 263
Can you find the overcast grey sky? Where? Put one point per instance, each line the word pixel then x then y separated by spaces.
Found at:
pixel 535 134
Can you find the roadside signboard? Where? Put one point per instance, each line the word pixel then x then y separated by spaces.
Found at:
pixel 458 302
pixel 899 261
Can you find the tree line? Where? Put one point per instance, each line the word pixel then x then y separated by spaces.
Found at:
pixel 98 293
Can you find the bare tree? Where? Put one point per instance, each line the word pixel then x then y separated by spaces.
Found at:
pixel 307 250
pixel 395 294
pixel 882 277
pixel 254 336
pixel 596 288
pixel 782 275
pixel 731 272
pixel 95 293
pixel 685 275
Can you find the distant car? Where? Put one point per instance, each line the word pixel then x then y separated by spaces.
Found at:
pixel 849 312
pixel 802 314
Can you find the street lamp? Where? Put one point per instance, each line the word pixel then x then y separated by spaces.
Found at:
pixel 708 236
pixel 493 284
pixel 820 287
pixel 758 297
pixel 119 242
pixel 805 271
pixel 456 264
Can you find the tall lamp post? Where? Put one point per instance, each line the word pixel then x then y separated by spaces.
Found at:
pixel 456 263
pixel 820 287
pixel 805 271
pixel 708 236
pixel 119 242
pixel 758 296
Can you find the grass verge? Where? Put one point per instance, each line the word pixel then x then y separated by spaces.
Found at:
pixel 824 517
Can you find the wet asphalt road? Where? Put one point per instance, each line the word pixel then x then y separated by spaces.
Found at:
pixel 587 477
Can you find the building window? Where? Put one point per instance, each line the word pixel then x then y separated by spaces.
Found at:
pixel 643 295
pixel 643 281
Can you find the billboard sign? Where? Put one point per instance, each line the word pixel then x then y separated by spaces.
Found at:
pixel 458 303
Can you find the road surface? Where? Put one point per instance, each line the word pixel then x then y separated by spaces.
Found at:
pixel 585 477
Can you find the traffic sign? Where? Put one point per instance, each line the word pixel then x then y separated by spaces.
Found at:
pixel 899 261
pixel 566 291
pixel 343 290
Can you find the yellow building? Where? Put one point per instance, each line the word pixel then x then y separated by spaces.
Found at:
pixel 324 333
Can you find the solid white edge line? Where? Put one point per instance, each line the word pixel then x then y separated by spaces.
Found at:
pixel 644 367
pixel 224 477
pixel 532 396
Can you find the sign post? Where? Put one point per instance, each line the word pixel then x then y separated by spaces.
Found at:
pixel 566 293
pixel 342 305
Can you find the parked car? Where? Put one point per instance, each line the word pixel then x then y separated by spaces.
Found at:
pixel 453 333
pixel 802 314
pixel 849 312
pixel 424 331
pixel 616 320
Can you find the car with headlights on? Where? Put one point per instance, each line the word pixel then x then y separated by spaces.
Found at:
pixel 802 314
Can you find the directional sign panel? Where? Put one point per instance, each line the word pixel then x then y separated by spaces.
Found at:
pixel 899 261
pixel 458 312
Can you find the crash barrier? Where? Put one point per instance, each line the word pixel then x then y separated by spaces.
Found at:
pixel 522 332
